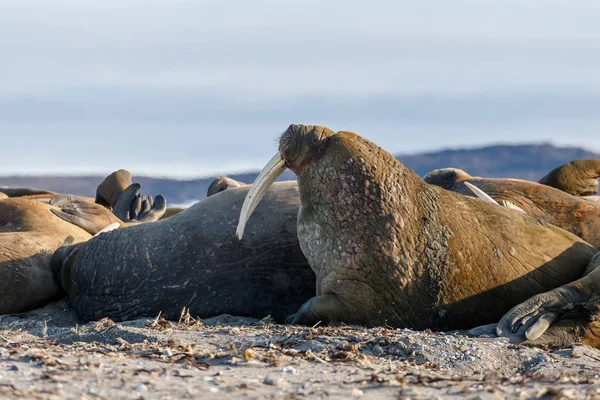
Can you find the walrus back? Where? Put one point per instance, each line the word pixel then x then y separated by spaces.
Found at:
pixel 193 259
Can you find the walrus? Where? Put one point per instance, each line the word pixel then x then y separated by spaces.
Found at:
pixel 579 177
pixel 389 249
pixel 223 183
pixel 30 232
pixel 107 192
pixel 193 260
pixel 574 214
pixel 21 192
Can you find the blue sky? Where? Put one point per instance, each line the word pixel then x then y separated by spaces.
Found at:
pixel 193 88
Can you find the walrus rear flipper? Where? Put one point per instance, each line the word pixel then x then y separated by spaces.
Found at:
pixel 560 317
pixel 111 187
pixel 91 217
pixel 131 207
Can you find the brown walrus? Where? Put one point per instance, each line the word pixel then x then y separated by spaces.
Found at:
pixel 23 192
pixel 107 192
pixel 223 183
pixel 579 177
pixel 30 232
pixel 574 214
pixel 389 249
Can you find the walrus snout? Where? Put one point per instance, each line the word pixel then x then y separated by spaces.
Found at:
pixel 298 145
pixel 298 141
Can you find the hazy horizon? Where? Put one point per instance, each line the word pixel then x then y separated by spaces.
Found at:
pixel 185 88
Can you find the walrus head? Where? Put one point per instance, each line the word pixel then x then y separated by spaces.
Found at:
pixel 298 146
pixel 446 177
pixel 221 184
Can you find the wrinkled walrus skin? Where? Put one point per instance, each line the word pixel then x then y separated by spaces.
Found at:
pixel 29 234
pixel 193 260
pixel 577 215
pixel 389 249
pixel 579 177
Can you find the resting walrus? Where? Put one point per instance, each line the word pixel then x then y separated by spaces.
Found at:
pixel 31 230
pixel 579 177
pixel 573 214
pixel 390 249
pixel 193 260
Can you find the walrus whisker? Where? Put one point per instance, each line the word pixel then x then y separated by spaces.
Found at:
pixel 264 180
pixel 481 194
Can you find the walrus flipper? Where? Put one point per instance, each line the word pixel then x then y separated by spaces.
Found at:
pixel 91 217
pixel 319 309
pixel 568 314
pixel 131 207
pixel 112 186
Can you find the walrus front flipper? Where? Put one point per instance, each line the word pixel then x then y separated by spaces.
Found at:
pixel 560 317
pixel 131 207
pixel 320 309
pixel 91 217
pixel 579 177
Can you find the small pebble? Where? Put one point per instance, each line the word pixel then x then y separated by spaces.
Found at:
pixel 14 368
pixel 377 351
pixel 140 388
pixel 275 382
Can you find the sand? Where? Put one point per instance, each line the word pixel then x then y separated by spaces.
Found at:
pixel 48 354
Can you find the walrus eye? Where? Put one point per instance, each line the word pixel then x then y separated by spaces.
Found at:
pixel 314 140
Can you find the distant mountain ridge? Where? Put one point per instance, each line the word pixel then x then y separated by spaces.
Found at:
pixel 524 161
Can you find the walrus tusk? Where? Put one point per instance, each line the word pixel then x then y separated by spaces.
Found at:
pixel 265 178
pixel 481 194
pixel 486 197
pixel 108 228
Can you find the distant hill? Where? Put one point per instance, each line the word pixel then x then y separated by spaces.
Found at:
pixel 528 161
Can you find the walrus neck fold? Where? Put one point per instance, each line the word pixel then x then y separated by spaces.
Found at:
pixel 61 263
pixel 363 211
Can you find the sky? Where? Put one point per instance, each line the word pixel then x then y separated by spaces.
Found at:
pixel 193 88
